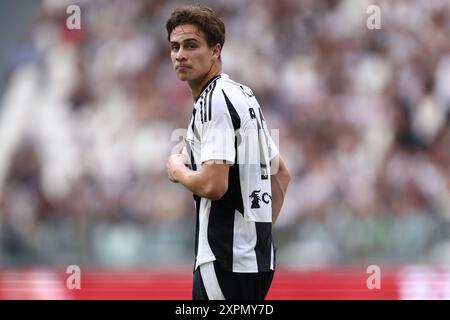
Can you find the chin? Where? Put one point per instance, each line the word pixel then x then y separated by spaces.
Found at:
pixel 183 77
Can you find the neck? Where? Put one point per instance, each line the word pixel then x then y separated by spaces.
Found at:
pixel 198 84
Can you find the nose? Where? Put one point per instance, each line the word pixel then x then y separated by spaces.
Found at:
pixel 180 55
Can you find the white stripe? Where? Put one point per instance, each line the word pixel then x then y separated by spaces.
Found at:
pixel 210 282
pixel 244 242
pixel 205 253
pixel 272 257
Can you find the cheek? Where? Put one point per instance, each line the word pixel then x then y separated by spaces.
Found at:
pixel 203 60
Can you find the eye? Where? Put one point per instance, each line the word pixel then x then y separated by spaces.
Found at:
pixel 174 47
pixel 192 46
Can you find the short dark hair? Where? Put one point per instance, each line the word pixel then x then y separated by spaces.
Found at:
pixel 203 18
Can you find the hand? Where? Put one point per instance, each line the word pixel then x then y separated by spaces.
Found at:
pixel 175 163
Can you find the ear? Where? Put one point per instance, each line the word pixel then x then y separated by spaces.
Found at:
pixel 217 49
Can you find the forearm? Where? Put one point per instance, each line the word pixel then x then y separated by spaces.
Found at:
pixel 279 184
pixel 210 182
pixel 194 181
pixel 279 188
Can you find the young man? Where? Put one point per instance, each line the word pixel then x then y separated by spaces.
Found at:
pixel 231 165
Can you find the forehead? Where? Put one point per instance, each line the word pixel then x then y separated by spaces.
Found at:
pixel 186 31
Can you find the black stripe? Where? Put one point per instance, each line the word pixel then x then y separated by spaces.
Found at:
pixel 193 120
pixel 206 85
pixel 221 219
pixel 197 225
pixel 233 113
pixel 196 134
pixel 233 196
pixel 220 233
pixel 202 117
pixel 191 155
pixel 274 257
pixel 198 288
pixel 261 131
pixel 205 117
pixel 261 115
pixel 205 101
pixel 210 99
pixel 263 248
pixel 188 147
pixel 194 112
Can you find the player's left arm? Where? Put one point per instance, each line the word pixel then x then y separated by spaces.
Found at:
pixel 279 184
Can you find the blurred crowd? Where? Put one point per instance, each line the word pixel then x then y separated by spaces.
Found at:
pixel 89 116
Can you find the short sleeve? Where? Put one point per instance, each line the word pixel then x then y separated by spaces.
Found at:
pixel 218 134
pixel 273 149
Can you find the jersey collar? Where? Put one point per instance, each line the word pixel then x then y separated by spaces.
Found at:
pixel 206 85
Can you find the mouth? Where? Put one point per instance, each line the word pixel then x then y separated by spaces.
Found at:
pixel 182 68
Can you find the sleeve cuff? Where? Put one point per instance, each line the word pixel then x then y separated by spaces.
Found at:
pixel 228 158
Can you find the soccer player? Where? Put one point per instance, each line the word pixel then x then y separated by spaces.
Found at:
pixel 230 164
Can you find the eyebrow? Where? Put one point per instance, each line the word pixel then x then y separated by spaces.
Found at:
pixel 186 40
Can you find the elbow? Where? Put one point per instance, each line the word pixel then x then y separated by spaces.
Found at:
pixel 286 177
pixel 282 174
pixel 216 191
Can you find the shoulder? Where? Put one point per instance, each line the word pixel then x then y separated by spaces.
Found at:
pixel 223 99
pixel 234 99
pixel 235 90
pixel 231 94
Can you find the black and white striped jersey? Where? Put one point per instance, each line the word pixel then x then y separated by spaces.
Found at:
pixel 227 124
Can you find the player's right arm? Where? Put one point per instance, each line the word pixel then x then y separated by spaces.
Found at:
pixel 210 182
pixel 279 182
